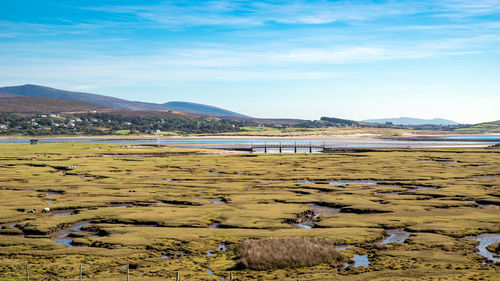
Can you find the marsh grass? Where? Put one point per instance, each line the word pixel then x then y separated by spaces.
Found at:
pixel 139 217
pixel 291 252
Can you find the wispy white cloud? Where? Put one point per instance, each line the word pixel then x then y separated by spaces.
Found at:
pixel 248 13
pixel 224 64
pixel 252 13
pixel 468 7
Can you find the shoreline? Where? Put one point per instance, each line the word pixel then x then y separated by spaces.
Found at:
pixel 367 136
pixel 145 137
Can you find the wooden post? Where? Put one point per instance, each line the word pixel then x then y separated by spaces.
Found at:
pixel 265 147
pixel 80 272
pixel 27 273
pixel 177 276
pixel 295 148
pixel 128 272
pixel 280 147
pixel 230 277
pixel 310 147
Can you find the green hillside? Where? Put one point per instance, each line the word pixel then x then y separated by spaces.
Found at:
pixel 487 127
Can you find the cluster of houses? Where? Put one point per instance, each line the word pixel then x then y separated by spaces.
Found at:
pixel 70 122
pixel 47 115
pixel 59 121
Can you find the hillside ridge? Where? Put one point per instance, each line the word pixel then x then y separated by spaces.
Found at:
pixel 30 90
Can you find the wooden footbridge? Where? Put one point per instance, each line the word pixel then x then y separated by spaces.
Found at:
pixel 288 146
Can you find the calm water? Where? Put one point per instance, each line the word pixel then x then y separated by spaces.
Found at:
pixel 472 137
pixel 395 236
pixel 359 260
pixel 484 241
pixel 244 142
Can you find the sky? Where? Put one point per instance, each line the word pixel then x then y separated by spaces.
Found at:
pixel 269 59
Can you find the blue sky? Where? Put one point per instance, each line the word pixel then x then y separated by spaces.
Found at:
pixel 300 59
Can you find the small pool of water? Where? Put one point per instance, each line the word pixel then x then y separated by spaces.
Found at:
pixel 64 241
pixel 120 205
pixel 422 188
pixel 484 241
pixel 359 260
pixel 220 248
pixel 214 225
pixel 63 214
pixel 322 210
pixel 163 179
pixel 488 206
pixel 48 202
pixel 395 236
pixel 306 182
pixel 347 182
pixel 303 226
pixel 12 224
pixel 50 194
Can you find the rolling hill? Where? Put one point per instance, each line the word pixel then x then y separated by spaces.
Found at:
pixel 42 91
pixel 486 127
pixel 21 104
pixel 408 121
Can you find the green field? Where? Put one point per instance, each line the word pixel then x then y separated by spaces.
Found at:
pixel 147 207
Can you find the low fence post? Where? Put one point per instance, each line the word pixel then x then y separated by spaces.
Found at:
pixel 80 272
pixel 230 277
pixel 27 273
pixel 177 276
pixel 128 272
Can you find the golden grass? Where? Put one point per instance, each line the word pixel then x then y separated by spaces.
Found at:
pixel 291 252
pixel 159 186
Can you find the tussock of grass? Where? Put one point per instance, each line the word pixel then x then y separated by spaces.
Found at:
pixel 291 252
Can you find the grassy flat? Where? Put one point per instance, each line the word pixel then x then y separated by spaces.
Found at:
pixel 162 210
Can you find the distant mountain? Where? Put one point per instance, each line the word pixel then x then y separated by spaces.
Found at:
pixel 411 121
pixel 41 91
pixel 46 105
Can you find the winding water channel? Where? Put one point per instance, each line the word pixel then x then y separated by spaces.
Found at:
pixel 62 236
pixel 486 240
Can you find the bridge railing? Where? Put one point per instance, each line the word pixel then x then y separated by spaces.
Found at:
pixel 294 146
